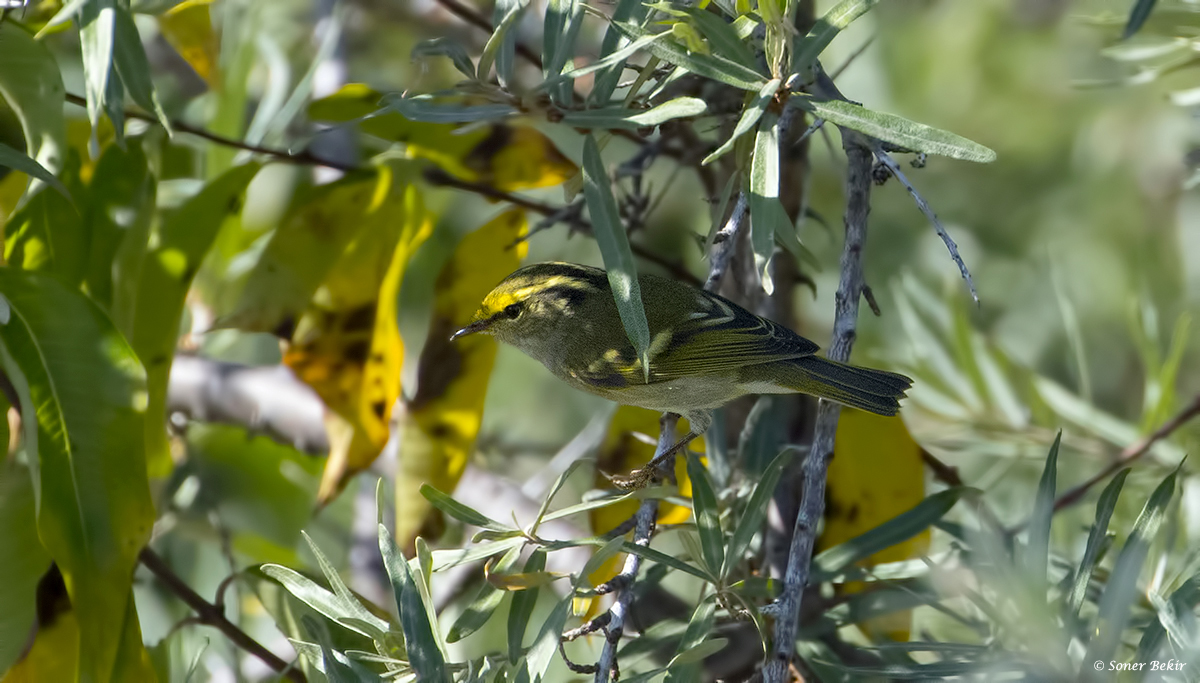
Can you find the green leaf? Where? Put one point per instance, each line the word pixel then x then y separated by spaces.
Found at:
pixel 707 514
pixel 119 210
pixel 541 652
pixel 764 197
pixel 614 59
pixel 1037 547
pixel 340 606
pixel 19 161
pixel 445 559
pixel 598 559
pixel 750 116
pixel 424 653
pixel 722 39
pixel 588 506
pixel 564 18
pixel 522 606
pixel 559 482
pixel 501 46
pixel 698 629
pixel 900 528
pixel 756 511
pixel 25 558
pixel 699 652
pixel 31 85
pixel 335 670
pixel 1120 592
pixel 48 233
pixel 129 60
pixel 97 31
pixel 715 67
pixel 632 12
pixel 631 119
pixel 181 240
pixel 1137 17
pixel 483 606
pixel 445 47
pixel 1183 600
pixel 897 130
pixel 825 30
pixel 430 111
pixel 1096 537
pixel 94 507
pixel 671 561
pixel 463 513
pixel 614 247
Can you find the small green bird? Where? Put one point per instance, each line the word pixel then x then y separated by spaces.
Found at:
pixel 704 349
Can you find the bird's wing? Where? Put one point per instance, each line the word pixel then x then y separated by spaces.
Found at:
pixel 713 336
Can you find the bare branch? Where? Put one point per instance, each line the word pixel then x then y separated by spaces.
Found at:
pixel 887 160
pixel 302 158
pixel 1131 453
pixel 849 293
pixel 211 615
pixel 647 514
pixel 724 243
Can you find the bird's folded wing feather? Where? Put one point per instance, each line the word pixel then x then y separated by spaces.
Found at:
pixel 715 336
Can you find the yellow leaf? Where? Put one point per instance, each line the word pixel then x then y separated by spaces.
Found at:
pixel 876 473
pixel 188 28
pixel 508 157
pixel 621 452
pixel 307 249
pixel 347 345
pixel 443 418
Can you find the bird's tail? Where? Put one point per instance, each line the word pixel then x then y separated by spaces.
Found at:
pixel 876 391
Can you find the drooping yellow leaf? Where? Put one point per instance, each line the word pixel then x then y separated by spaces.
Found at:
pixel 876 473
pixel 305 249
pixel 188 28
pixel 508 157
pixel 347 345
pixel 443 418
pixel 621 452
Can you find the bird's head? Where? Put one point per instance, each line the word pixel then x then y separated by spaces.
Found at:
pixel 528 305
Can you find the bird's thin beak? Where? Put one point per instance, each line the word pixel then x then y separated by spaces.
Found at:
pixel 477 326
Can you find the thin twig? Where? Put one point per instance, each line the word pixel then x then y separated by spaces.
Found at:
pixel 1131 453
pixel 812 504
pixel 606 666
pixel 210 615
pixel 826 87
pixel 303 157
pixel 887 160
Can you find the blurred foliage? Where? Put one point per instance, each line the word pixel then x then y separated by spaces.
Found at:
pixel 334 186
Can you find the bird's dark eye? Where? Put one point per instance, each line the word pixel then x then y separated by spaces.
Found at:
pixel 512 310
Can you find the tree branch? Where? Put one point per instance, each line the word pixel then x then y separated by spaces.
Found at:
pixel 212 615
pixel 1131 453
pixel 607 668
pixel 812 505
pixel 302 158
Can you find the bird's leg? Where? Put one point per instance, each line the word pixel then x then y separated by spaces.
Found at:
pixel 641 477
